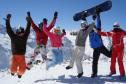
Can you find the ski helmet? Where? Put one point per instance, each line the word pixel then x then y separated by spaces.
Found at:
pixel 84 24
pixel 116 25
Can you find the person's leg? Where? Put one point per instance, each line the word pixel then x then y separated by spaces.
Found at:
pixel 113 62
pixel 96 54
pixel 13 66
pixel 43 53
pixel 120 54
pixel 22 65
pixel 78 59
pixel 105 51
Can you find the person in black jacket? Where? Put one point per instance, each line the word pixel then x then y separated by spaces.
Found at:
pixel 18 46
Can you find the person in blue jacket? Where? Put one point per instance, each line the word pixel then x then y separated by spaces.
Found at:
pixel 97 44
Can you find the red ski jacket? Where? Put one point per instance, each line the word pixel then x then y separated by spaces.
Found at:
pixel 41 37
pixel 117 36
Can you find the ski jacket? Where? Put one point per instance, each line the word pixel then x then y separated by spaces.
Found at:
pixel 117 36
pixel 18 44
pixel 94 38
pixel 41 37
pixel 56 40
pixel 82 35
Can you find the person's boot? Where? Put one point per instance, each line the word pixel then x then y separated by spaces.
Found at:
pixel 93 75
pixel 12 74
pixel 68 67
pixel 110 74
pixel 19 76
pixel 122 76
pixel 80 75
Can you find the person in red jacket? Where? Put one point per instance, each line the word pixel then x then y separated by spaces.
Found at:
pixel 117 35
pixel 55 52
pixel 41 37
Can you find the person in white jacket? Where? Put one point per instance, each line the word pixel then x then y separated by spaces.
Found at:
pixel 80 47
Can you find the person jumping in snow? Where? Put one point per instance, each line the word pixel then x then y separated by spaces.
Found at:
pixel 18 46
pixel 80 47
pixel 117 35
pixel 41 37
pixel 97 44
pixel 56 42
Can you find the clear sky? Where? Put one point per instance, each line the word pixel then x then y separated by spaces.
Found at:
pixel 66 9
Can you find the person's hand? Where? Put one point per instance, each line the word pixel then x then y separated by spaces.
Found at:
pixel 28 13
pixel 55 14
pixel 45 20
pixel 63 30
pixel 8 16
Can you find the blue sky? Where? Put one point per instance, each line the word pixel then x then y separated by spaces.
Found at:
pixel 66 9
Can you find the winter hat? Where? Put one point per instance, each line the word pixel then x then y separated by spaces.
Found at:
pixel 57 30
pixel 116 25
pixel 19 30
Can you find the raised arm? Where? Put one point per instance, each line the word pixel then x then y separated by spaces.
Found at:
pixel 104 33
pixel 27 31
pixel 34 26
pixel 8 26
pixel 98 26
pixel 44 27
pixel 51 25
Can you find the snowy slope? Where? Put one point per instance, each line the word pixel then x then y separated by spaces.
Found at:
pixel 56 75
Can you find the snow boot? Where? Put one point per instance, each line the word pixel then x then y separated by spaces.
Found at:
pixel 93 75
pixel 80 75
pixel 111 74
pixel 68 67
pixel 19 76
pixel 12 74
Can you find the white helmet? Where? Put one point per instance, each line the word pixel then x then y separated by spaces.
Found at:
pixel 116 25
pixel 84 24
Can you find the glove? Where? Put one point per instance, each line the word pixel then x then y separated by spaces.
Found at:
pixel 97 11
pixel 28 13
pixel 45 20
pixel 63 30
pixel 55 14
pixel 94 17
pixel 8 16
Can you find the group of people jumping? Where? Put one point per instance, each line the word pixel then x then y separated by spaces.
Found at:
pixel 20 36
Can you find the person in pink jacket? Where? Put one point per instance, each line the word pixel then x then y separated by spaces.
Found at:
pixel 55 52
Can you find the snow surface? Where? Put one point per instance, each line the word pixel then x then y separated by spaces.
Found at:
pixel 58 74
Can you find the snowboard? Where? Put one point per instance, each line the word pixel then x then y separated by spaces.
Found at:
pixel 105 6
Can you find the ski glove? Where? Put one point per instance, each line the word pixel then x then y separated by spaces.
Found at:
pixel 8 16
pixel 28 13
pixel 55 14
pixel 64 31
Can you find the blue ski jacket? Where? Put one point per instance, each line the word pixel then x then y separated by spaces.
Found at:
pixel 94 38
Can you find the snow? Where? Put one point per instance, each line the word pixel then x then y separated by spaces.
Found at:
pixel 58 74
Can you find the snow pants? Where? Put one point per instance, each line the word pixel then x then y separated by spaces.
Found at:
pixel 96 54
pixel 117 53
pixel 77 58
pixel 18 64
pixel 42 51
